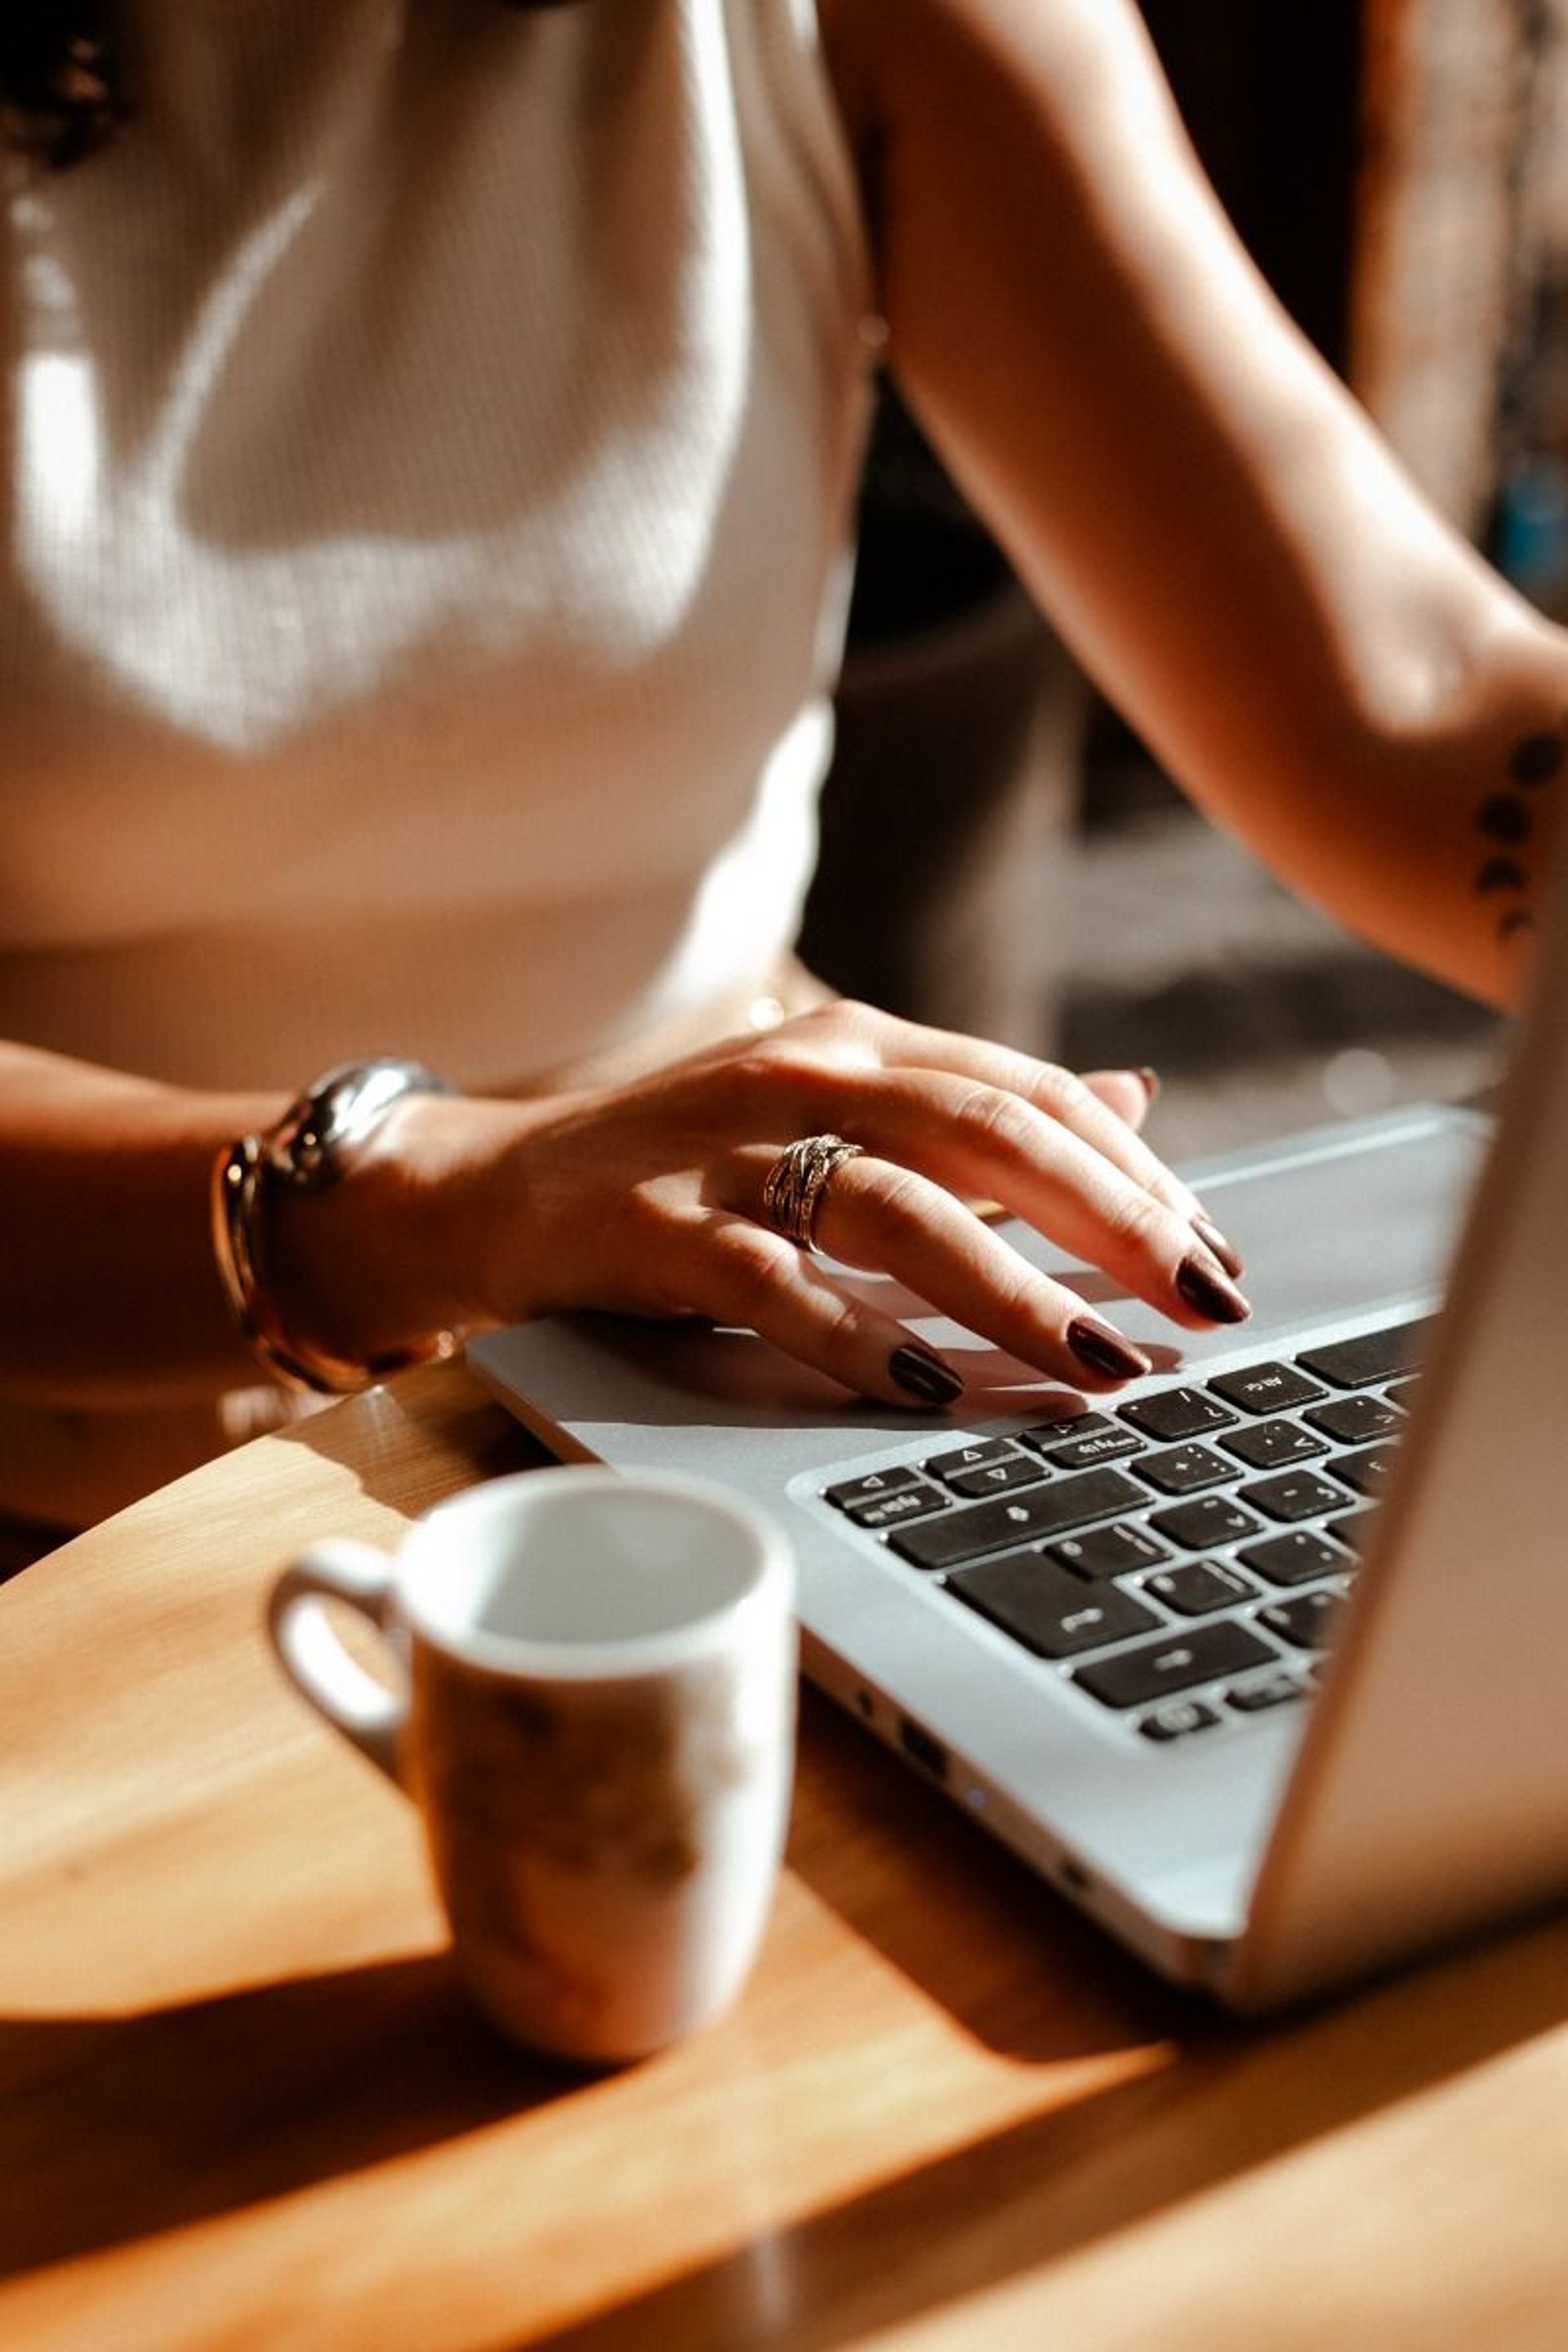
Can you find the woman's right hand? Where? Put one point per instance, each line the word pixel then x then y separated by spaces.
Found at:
pixel 648 1199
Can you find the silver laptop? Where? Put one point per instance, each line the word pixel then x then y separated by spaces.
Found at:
pixel 1261 1662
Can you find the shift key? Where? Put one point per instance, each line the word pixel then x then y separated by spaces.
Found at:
pixel 1038 1512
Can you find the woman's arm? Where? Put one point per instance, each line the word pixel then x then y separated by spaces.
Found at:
pixel 1202 507
pixel 109 1291
pixel 646 1198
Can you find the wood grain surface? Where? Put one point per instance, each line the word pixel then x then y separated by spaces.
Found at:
pixel 242 2104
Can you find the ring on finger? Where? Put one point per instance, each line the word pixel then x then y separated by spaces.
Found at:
pixel 795 1185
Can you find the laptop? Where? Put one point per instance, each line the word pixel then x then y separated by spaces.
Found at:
pixel 1261 1661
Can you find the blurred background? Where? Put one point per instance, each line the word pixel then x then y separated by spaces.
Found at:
pixel 999 853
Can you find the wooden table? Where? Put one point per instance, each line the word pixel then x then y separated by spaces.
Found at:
pixel 243 2104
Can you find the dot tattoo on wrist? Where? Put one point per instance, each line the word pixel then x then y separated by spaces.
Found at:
pixel 1506 823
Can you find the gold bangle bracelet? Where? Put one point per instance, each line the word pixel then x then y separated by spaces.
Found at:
pixel 306 1152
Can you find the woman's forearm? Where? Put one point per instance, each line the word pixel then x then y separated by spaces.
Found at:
pixel 113 1294
pixel 108 1286
pixel 1199 504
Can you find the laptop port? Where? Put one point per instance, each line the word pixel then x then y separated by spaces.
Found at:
pixel 928 1752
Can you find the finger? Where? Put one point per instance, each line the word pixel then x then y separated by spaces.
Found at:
pixel 986 1143
pixel 901 1223
pixel 740 1273
pixel 1129 1094
pixel 1057 1094
pixel 734 1271
pixel 1132 1095
pixel 851 1044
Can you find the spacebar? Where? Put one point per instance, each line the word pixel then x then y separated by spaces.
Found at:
pixel 1018 1519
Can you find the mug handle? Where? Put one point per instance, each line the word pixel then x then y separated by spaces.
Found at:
pixel 312 1654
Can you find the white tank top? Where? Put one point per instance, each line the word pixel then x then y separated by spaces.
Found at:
pixel 435 429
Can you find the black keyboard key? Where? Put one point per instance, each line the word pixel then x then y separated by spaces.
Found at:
pixel 1300 1558
pixel 999 1477
pixel 1270 1690
pixel 892 1510
pixel 1293 1494
pixel 1100 1445
pixel 1185 1469
pixel 1401 1393
pixel 976 1455
pixel 1065 1430
pixel 1265 1387
pixel 1206 1654
pixel 1182 1716
pixel 1355 1420
pixel 1176 1412
pixel 1010 1519
pixel 1050 1611
pixel 1306 1620
pixel 1271 1445
pixel 1374 1356
pixel 1197 1588
pixel 1206 1524
pixel 1108 1551
pixel 1367 1471
pixel 874 1485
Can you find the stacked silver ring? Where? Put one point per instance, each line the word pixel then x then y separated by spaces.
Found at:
pixel 791 1193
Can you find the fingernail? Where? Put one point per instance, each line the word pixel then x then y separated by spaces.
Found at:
pixel 1210 1293
pixel 1150 1081
pixel 1104 1350
pixel 925 1376
pixel 1214 1241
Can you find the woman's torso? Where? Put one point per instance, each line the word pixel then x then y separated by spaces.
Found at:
pixel 435 429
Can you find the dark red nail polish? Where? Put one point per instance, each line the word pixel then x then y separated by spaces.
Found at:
pixel 1214 1241
pixel 922 1374
pixel 1209 1294
pixel 1150 1081
pixel 1104 1350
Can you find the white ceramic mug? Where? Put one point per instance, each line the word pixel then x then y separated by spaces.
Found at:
pixel 593 1706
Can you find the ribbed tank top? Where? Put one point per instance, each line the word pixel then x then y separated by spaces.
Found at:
pixel 434 431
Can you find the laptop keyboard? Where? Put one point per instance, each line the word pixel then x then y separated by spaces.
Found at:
pixel 1181 1557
